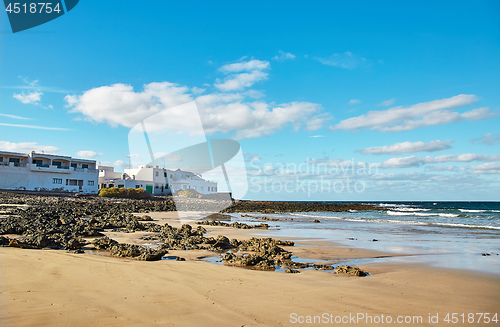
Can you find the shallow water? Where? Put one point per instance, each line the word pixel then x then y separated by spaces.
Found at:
pixel 450 235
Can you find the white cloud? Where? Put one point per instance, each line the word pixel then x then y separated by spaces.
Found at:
pixel 27 81
pixel 118 104
pixel 242 74
pixel 316 136
pixel 316 122
pixel 344 60
pixel 88 154
pixel 414 161
pixel 487 139
pixel 408 147
pixel 35 127
pixel 467 157
pixel 241 66
pixel 255 119
pixel 238 82
pixel 197 90
pixel 32 97
pixel 400 118
pixel 282 56
pixel 442 168
pixel 354 101
pixel 27 147
pixel 387 102
pixel 404 162
pixel 14 117
pixel 487 168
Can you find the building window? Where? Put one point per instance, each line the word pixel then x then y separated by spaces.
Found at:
pixel 57 163
pixel 156 174
pixel 15 161
pixel 56 180
pixel 1 159
pixel 74 165
pixel 156 186
pixel 137 186
pixel 73 182
pixel 111 185
pixel 85 166
pixel 90 183
pixel 38 162
pixel 165 174
pixel 121 186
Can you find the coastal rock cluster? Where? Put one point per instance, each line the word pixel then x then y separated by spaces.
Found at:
pixel 265 254
pixel 233 225
pixel 128 250
pixel 348 270
pixel 65 222
pixel 276 207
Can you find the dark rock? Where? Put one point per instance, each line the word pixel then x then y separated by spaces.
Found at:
pixel 4 241
pixel 348 270
pixel 219 216
pixel 128 250
pixel 233 225
pixel 222 243
pixel 285 243
pixel 19 244
pixel 274 207
pixel 323 267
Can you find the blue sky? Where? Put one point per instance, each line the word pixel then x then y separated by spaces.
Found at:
pixel 410 88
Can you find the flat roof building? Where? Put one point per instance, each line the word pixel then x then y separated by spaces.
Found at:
pixel 47 172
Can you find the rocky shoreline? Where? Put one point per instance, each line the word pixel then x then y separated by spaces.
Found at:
pixel 78 223
pixel 276 207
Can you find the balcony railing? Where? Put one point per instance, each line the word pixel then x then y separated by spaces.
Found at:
pixel 12 164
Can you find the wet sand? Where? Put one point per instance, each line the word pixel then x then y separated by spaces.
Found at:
pixel 58 288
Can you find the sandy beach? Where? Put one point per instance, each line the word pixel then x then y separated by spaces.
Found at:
pixel 60 288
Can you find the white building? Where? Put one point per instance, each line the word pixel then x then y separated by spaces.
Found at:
pixel 47 172
pixel 155 180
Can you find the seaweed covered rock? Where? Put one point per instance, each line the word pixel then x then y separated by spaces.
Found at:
pixel 348 270
pixel 222 243
pixel 266 254
pixel 128 250
pixel 233 225
pixel 252 261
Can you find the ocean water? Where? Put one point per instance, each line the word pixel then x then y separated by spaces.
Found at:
pixel 459 235
pixel 470 215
